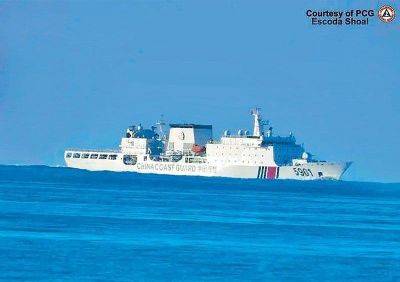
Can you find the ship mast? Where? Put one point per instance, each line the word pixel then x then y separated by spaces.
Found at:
pixel 160 127
pixel 258 123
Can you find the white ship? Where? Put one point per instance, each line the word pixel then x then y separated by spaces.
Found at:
pixel 189 149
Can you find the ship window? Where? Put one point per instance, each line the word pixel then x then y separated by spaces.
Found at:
pixel 94 156
pixel 103 156
pixel 320 174
pixel 77 155
pixel 85 156
pixel 112 157
pixel 68 155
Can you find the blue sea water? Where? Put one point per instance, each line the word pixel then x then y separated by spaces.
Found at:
pixel 71 225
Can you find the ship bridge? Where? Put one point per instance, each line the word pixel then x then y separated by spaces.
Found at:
pixel 260 148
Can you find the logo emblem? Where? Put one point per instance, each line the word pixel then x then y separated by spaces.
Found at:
pixel 386 14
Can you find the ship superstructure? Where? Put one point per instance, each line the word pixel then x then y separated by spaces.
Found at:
pixel 190 149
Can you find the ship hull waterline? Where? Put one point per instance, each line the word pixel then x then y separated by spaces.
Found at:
pixel 307 171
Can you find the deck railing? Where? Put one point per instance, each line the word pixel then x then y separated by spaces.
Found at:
pixel 92 150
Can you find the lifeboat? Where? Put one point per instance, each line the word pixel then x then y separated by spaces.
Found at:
pixel 198 149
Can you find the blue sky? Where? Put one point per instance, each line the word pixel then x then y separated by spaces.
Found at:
pixel 76 74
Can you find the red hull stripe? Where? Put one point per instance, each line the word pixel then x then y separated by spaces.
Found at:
pixel 271 174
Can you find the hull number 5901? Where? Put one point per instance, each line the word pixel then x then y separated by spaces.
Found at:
pixel 302 171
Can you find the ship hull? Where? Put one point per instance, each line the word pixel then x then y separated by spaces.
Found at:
pixel 307 171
